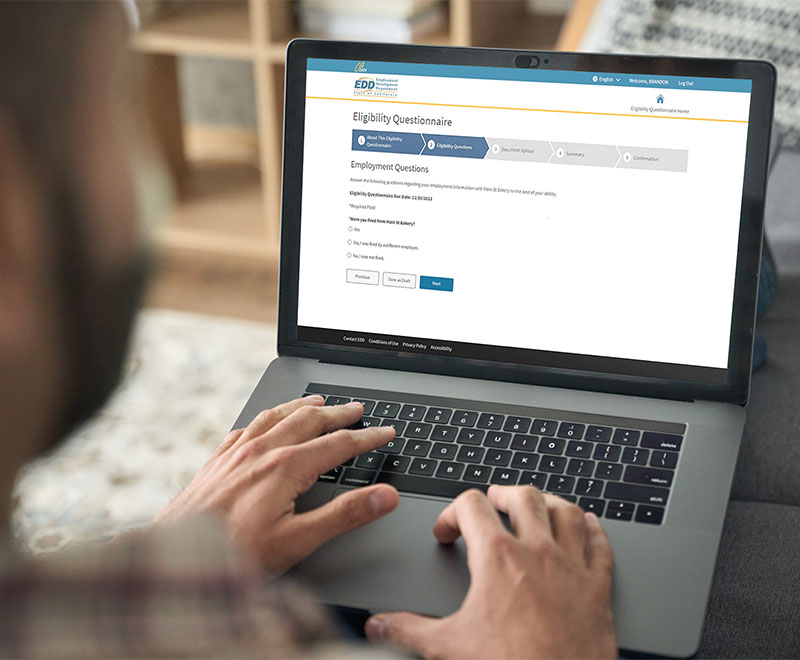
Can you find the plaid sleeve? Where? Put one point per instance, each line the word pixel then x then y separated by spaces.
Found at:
pixel 176 591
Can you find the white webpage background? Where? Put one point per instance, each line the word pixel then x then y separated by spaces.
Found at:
pixel 635 264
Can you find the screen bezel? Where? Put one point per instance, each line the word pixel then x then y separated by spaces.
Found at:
pixel 592 374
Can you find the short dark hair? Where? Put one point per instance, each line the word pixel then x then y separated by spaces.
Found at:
pixel 39 45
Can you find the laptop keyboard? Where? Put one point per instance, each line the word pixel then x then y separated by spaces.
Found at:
pixel 618 468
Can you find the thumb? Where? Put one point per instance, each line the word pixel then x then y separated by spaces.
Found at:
pixel 415 632
pixel 344 513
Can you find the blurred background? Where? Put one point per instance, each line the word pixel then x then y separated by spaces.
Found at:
pixel 214 81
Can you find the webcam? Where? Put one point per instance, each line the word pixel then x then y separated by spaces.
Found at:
pixel 526 61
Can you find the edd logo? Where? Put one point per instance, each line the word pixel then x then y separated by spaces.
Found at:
pixel 361 67
pixel 365 83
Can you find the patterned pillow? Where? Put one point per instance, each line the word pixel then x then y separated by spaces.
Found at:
pixel 754 29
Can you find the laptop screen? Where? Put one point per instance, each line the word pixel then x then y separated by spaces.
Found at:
pixel 522 215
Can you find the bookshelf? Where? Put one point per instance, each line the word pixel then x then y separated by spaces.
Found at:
pixel 227 206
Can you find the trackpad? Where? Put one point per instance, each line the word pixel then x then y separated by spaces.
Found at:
pixel 394 563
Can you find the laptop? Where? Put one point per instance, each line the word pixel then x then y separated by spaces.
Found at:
pixel 540 268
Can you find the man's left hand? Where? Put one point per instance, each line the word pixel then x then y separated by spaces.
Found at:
pixel 254 477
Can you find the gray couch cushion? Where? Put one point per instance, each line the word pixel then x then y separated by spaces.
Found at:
pixel 754 610
pixel 769 462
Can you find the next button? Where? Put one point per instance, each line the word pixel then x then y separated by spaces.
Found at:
pixel 436 283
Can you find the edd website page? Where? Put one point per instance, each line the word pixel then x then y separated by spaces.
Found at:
pixel 451 209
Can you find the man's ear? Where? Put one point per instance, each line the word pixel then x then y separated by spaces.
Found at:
pixel 24 251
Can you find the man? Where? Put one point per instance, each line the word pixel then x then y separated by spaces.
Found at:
pixel 195 583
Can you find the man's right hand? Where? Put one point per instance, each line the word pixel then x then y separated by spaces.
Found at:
pixel 543 591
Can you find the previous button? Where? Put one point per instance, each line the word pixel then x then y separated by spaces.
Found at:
pixel 435 283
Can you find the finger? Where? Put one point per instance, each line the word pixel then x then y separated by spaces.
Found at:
pixel 229 441
pixel 342 514
pixel 417 633
pixel 317 456
pixel 267 419
pixel 469 515
pixel 599 554
pixel 312 421
pixel 568 523
pixel 525 507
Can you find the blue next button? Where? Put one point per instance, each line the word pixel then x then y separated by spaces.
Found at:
pixel 436 283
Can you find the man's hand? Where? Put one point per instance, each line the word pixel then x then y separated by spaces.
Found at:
pixel 542 592
pixel 255 475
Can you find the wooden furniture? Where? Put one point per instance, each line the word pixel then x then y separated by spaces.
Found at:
pixel 576 24
pixel 230 206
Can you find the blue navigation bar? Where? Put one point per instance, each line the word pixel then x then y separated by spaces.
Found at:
pixel 388 142
pixel 596 78
pixel 435 283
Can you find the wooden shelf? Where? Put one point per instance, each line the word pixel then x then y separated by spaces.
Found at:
pixel 219 28
pixel 231 207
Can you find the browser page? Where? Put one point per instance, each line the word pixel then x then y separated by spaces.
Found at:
pixel 447 209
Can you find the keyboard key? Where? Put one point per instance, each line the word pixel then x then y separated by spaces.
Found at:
pixel 524 442
pixel 392 447
pixel 598 433
pixel 366 422
pixel 412 412
pixel 444 433
pixel 399 426
pixel 357 477
pixel 419 430
pixel 497 457
pixel 396 463
pixel 464 418
pixel 449 470
pixel 619 510
pixel 571 431
pixel 580 468
pixel 470 436
pixel 331 476
pixel 635 456
pixel 417 448
pixel 425 485
pixel 568 498
pixel 524 461
pixel 384 409
pixel 491 421
pixel 644 494
pixel 438 415
pixel 497 439
pixel 611 471
pixel 444 451
pixel 504 477
pixel 559 484
pixel 552 446
pixel 667 441
pixel 517 424
pixel 368 405
pixel 349 462
pixel 607 452
pixel 593 505
pixel 544 427
pixel 477 474
pixel 579 449
pixel 626 437
pixel 663 459
pixel 424 467
pixel 336 400
pixel 470 454
pixel 370 461
pixel 538 479
pixel 553 463
pixel 653 515
pixel 589 487
pixel 648 476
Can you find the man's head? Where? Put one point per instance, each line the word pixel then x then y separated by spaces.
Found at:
pixel 71 263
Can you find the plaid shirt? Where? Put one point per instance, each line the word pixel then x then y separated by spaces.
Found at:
pixel 175 591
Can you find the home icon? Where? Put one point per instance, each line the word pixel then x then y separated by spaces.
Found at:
pixel 660 98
